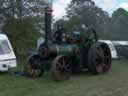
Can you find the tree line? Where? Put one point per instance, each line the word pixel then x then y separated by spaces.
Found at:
pixel 22 21
pixel 113 27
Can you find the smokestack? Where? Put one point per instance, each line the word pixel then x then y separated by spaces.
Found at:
pixel 48 21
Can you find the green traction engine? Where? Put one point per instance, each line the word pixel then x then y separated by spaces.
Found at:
pixel 78 51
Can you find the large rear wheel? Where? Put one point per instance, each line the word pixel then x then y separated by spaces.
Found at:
pixel 99 58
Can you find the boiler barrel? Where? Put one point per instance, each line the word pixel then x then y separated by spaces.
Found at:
pixel 63 49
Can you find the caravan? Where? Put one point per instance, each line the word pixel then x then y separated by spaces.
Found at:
pixel 121 48
pixel 112 48
pixel 7 56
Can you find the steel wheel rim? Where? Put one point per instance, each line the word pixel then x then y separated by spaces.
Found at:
pixel 99 58
pixel 102 59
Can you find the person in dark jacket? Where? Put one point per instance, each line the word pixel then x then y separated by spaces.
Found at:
pixel 59 34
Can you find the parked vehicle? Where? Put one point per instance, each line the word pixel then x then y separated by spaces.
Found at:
pixel 69 53
pixel 121 48
pixel 7 56
pixel 112 48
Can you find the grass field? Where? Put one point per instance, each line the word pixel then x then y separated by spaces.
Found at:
pixel 115 83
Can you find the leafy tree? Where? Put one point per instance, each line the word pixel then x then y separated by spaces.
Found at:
pixel 22 21
pixel 117 27
pixel 85 12
pixel 21 33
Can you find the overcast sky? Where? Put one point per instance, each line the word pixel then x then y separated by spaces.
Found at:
pixel 108 5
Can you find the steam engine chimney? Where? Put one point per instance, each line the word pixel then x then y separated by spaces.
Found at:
pixel 48 21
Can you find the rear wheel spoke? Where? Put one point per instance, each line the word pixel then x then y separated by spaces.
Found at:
pixel 101 61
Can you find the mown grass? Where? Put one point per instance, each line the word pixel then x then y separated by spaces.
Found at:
pixel 115 83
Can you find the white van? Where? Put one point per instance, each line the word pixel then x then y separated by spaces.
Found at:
pixel 112 48
pixel 121 48
pixel 7 56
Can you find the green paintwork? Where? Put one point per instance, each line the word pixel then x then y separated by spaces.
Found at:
pixel 63 49
pixel 78 51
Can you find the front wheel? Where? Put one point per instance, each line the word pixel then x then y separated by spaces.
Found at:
pixel 99 58
pixel 33 67
pixel 61 68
